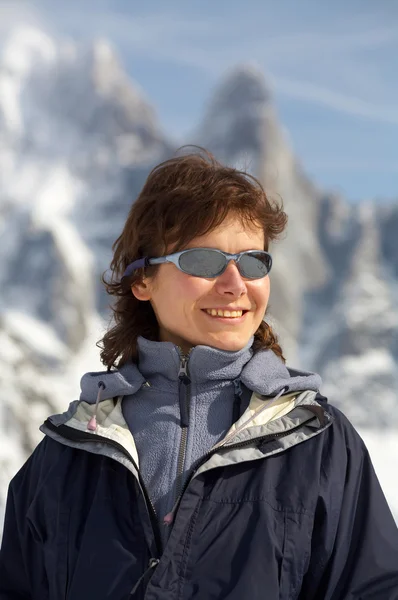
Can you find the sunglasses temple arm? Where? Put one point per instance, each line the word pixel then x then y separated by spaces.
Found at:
pixel 141 263
pixel 157 261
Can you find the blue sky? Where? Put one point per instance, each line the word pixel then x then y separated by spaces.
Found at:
pixel 332 66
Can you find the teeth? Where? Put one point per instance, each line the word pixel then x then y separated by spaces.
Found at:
pixel 224 313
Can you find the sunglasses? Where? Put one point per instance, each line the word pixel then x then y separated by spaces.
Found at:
pixel 210 263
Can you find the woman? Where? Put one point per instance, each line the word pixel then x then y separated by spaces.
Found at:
pixel 198 465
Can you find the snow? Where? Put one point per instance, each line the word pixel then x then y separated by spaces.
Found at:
pixel 76 139
pixel 10 352
pixel 57 194
pixel 38 337
pixel 25 49
pixel 367 397
pixel 9 95
pixel 383 449
pixel 103 51
pixel 373 362
pixel 78 259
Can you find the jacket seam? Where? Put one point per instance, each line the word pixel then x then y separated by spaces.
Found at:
pixel 184 561
pixel 284 509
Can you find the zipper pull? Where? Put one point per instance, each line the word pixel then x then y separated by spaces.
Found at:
pixel 183 372
pixel 153 563
pixel 92 424
pixel 168 519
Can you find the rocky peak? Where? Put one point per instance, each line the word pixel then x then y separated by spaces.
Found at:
pixel 243 87
pixel 236 117
pixel 242 128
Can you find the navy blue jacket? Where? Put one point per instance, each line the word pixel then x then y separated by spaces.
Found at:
pixel 288 510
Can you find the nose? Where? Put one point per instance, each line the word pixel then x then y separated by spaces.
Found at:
pixel 230 282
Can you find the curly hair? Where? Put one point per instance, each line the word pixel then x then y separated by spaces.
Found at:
pixel 184 197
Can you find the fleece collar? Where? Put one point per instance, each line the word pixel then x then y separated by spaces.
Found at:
pixel 262 372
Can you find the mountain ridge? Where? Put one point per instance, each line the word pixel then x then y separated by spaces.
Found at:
pixel 69 172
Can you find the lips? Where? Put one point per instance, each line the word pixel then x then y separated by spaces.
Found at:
pixel 236 318
pixel 230 308
pixel 230 314
pixel 227 313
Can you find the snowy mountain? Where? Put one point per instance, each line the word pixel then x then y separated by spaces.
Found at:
pixel 241 127
pixel 356 347
pixel 76 135
pixel 334 285
pixel 77 139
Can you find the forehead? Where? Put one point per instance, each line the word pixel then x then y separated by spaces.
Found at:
pixel 232 232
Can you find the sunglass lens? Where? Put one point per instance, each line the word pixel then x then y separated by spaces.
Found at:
pixel 255 266
pixel 202 263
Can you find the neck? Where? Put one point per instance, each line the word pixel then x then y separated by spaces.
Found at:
pixel 183 345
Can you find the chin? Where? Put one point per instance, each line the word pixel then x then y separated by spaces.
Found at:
pixel 229 344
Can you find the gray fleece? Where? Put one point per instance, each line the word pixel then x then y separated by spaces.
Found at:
pixel 152 411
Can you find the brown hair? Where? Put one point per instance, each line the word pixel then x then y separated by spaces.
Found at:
pixel 182 198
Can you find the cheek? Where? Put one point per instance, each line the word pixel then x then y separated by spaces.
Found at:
pixel 260 291
pixel 187 286
pixel 182 291
pixel 191 290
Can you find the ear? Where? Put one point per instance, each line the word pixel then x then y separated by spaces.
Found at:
pixel 142 290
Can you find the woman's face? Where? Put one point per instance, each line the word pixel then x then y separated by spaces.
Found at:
pixel 180 300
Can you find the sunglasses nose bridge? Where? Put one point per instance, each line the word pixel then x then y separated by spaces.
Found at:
pixel 228 261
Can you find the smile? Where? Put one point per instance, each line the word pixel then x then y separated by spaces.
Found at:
pixel 226 317
pixel 231 314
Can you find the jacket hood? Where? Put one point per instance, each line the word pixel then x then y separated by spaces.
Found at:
pixel 262 372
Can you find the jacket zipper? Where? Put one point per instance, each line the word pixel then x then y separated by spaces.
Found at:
pixel 184 399
pixel 258 441
pixel 81 436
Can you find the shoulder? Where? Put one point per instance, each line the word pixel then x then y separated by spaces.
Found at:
pixel 344 449
pixel 343 430
pixel 41 465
